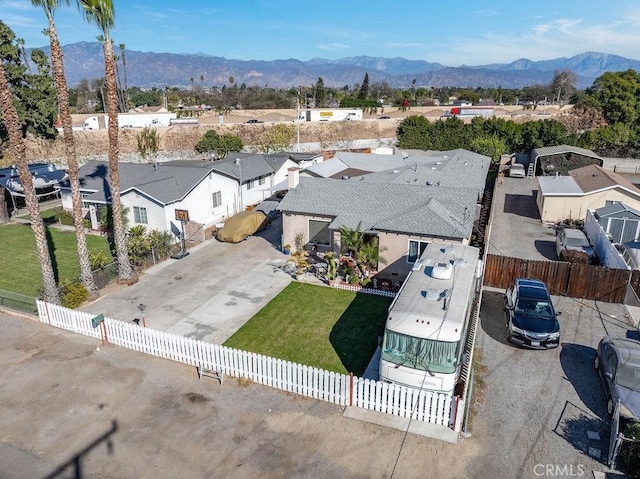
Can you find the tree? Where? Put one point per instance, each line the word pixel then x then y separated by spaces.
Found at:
pixel 126 82
pixel 413 132
pixel 321 94
pixel 618 96
pixel 12 122
pixel 148 143
pixel 491 146
pixel 363 94
pixel 220 144
pixel 277 138
pixel 86 276
pixel 101 13
pixel 563 84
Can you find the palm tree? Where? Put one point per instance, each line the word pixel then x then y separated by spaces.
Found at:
pixel 12 123
pixel 25 59
pixel 101 13
pixel 49 7
pixel 126 83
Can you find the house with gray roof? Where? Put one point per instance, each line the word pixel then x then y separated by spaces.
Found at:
pixel 209 190
pixel 405 206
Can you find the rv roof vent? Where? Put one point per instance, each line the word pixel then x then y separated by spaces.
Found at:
pixel 442 271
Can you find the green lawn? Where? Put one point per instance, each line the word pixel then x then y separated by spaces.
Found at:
pixel 317 326
pixel 19 258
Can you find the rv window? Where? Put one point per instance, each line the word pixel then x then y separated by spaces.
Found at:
pixel 419 353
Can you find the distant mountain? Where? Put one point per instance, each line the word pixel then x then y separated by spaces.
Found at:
pixel 84 60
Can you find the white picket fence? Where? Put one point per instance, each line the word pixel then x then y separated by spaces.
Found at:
pixel 360 289
pixel 296 378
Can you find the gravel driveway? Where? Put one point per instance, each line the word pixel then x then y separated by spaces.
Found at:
pixel 539 405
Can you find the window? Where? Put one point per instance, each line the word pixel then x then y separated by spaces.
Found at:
pixel 140 215
pixel 261 180
pixel 251 184
pixel 217 199
pixel 319 232
pixel 416 248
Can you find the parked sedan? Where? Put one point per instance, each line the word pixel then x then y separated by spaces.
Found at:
pixel 252 121
pixel 618 363
pixel 531 318
pixel 573 239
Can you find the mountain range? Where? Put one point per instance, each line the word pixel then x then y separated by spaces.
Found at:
pixel 84 60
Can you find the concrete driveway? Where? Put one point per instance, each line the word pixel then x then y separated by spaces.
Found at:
pixel 516 228
pixel 207 295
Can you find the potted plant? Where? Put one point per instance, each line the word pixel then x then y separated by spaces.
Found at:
pixel 286 249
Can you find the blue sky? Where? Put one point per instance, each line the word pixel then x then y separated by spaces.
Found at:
pixel 464 32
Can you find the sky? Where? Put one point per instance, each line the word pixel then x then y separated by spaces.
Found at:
pixel 464 32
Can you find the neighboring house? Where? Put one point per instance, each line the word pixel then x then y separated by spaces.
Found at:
pixel 560 159
pixel 45 178
pixel 440 168
pixel 589 187
pixel 209 190
pixel 406 207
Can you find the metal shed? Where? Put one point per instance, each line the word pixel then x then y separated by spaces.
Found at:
pixel 619 221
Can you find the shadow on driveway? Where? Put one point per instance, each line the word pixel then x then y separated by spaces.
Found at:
pixel 521 205
pixel 577 364
pixel 492 318
pixel 547 249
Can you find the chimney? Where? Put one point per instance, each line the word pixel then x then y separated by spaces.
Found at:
pixel 294 177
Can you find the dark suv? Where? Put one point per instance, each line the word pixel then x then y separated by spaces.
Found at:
pixel 531 320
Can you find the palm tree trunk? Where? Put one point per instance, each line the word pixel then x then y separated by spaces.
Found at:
pixel 12 122
pixel 126 274
pixel 126 83
pixel 4 212
pixel 86 275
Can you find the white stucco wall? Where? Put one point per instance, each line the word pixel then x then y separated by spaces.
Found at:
pixel 554 208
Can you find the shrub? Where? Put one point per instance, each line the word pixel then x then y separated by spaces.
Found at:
pixel 630 451
pixel 98 259
pixel 72 294
pixel 63 216
pixel 574 256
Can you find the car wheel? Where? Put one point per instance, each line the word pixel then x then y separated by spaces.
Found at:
pixel 596 363
pixel 610 407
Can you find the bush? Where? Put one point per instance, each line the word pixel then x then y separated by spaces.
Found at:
pixel 72 294
pixel 574 256
pixel 63 216
pixel 630 451
pixel 98 259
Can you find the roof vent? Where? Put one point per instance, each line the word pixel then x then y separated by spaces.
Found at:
pixel 429 183
pixel 345 177
pixel 442 271
pixel 439 162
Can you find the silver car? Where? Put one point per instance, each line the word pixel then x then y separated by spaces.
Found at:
pixel 618 363
pixel 573 239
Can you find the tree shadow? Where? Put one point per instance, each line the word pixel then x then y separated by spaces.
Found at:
pixel 355 335
pixel 52 254
pixel 492 317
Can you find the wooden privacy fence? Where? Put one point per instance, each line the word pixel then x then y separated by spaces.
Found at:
pixel 329 386
pixel 568 279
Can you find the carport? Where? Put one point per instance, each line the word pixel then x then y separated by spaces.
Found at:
pixel 561 159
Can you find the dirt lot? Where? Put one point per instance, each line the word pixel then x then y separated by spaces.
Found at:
pixel 59 395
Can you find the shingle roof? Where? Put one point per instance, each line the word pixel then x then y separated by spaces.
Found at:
pixel 163 182
pixel 592 178
pixel 445 168
pixel 421 210
pixel 251 166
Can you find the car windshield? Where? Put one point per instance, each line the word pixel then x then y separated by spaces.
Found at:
pixel 420 353
pixel 629 376
pixel 532 307
pixel 577 242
